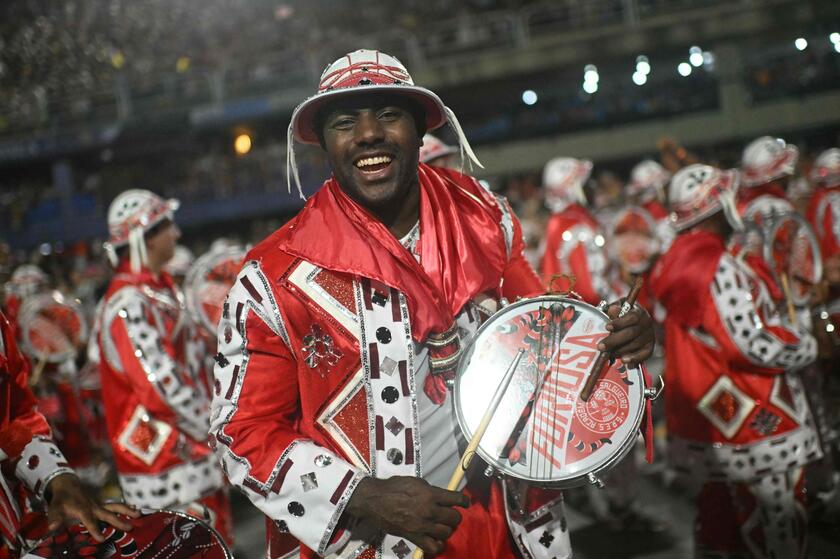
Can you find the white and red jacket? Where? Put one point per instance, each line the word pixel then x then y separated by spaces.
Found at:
pixel 321 380
pixel 156 401
pixel 824 216
pixel 27 454
pixel 574 245
pixel 735 407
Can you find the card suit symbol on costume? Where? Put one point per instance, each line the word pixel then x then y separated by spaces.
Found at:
pixel 309 482
pixel 296 509
pixel 394 425
pixel 546 539
pixel 322 460
pixel 401 549
pixel 388 366
pixel 765 422
pixel 319 345
pixel 379 298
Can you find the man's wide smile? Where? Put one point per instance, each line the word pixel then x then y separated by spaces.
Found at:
pixel 374 167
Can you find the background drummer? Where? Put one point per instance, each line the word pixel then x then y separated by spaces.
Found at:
pixel 344 443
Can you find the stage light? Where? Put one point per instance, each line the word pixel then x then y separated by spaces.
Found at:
pixel 529 97
pixel 684 69
pixel 695 50
pixel 834 38
pixel 242 144
pixel 801 43
pixel 708 58
pixel 837 47
pixel 590 87
pixel 45 249
pixel 590 73
pixel 639 78
pixel 182 64
pixel 696 59
pixel 643 64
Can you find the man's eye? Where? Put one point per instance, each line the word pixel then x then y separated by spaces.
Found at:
pixel 342 123
pixel 390 114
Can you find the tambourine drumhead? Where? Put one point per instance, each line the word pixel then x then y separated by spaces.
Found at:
pixel 564 438
pixel 208 282
pixel 156 534
pixel 792 249
pixel 52 327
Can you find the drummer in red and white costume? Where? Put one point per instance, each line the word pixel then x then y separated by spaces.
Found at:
pixel 646 188
pixel 767 166
pixel 574 243
pixel 736 412
pixel 824 211
pixel 32 466
pixel 435 153
pixel 338 340
pixel 156 401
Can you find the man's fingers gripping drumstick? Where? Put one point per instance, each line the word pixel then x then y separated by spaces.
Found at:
pixel 603 360
pixel 467 457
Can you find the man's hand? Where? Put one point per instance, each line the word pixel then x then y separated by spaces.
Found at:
pixel 409 507
pixel 631 337
pixel 69 503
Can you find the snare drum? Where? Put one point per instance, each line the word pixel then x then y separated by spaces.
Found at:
pixel 559 441
pixel 156 534
pixel 208 282
pixel 52 327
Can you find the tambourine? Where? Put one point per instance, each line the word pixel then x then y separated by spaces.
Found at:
pixel 793 252
pixel 558 440
pixel 154 535
pixel 52 327
pixel 208 282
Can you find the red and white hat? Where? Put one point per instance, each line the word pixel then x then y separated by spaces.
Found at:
pixel 700 191
pixel 433 148
pixel 826 171
pixel 767 159
pixel 27 280
pixel 366 71
pixel 130 216
pixel 563 180
pixel 647 181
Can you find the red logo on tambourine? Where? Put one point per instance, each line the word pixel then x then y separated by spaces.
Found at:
pixel 606 410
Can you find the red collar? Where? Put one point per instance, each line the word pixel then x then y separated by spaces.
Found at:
pixel 462 249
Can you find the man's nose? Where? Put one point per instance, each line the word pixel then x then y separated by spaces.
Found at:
pixel 368 128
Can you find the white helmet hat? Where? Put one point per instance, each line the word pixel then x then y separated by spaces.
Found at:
pixel 433 148
pixel 563 181
pixel 767 159
pixel 181 261
pixel 647 181
pixel 27 280
pixel 130 216
pixel 826 170
pixel 365 71
pixel 700 191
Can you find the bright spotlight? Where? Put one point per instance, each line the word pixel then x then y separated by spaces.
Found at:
pixel 242 144
pixel 643 67
pixel 684 69
pixel 708 58
pixel 590 87
pixel 529 96
pixel 837 47
pixel 639 78
pixel 696 59
pixel 834 38
pixel 801 43
pixel 590 74
pixel 695 50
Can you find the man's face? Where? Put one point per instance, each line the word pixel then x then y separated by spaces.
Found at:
pixel 372 144
pixel 161 244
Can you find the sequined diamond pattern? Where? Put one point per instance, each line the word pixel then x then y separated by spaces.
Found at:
pixel 394 425
pixel 726 406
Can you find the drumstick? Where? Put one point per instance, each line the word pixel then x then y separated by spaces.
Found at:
pixel 37 371
pixel 788 300
pixel 466 458
pixel 603 360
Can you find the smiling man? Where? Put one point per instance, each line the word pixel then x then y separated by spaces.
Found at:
pixel 339 341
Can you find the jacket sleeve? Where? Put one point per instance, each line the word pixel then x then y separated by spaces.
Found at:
pixel 26 437
pixel 301 486
pixel 162 384
pixel 751 337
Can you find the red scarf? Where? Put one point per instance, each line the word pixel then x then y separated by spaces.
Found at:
pixel 462 249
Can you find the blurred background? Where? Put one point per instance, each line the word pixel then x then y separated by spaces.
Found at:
pixel 191 99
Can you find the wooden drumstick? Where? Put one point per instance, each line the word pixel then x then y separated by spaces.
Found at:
pixel 788 299
pixel 38 371
pixel 603 360
pixel 466 458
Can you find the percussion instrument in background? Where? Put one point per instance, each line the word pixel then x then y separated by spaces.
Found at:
pixel 208 282
pixel 156 534
pixel 53 328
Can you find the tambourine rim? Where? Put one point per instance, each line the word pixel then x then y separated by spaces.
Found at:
pixel 147 512
pixel 580 479
pixel 26 313
pixel 777 221
pixel 199 269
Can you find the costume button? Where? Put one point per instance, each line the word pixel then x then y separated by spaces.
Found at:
pixel 383 335
pixel 390 394
pixel 322 460
pixel 394 456
pixel 296 509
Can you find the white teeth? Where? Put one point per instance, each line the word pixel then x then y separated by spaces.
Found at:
pixel 372 161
